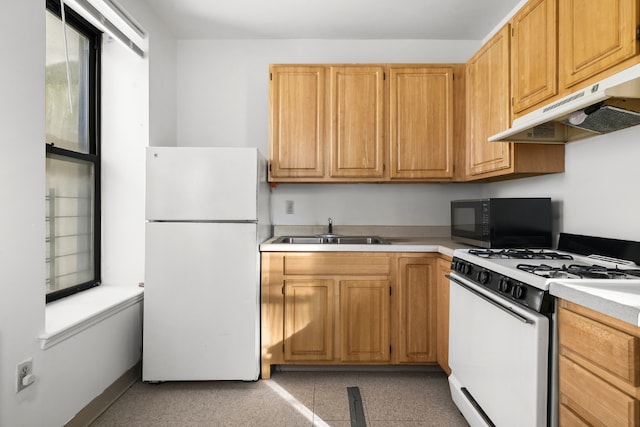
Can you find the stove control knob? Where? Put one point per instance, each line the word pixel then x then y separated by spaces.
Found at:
pixel 462 267
pixel 504 285
pixel 466 268
pixel 519 292
pixel 484 277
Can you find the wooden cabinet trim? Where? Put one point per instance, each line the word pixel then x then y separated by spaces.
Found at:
pixel 337 263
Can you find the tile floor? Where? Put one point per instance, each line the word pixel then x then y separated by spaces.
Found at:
pixel 291 398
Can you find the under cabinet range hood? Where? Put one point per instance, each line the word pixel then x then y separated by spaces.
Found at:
pixel 607 106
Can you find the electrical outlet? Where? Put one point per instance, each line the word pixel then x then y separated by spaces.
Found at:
pixel 289 207
pixel 24 374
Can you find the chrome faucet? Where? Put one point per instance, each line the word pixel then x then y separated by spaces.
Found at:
pixel 330 230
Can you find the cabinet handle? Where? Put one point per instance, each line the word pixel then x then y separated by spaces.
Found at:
pixel 490 301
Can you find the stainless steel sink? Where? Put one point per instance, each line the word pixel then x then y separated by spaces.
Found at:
pixel 335 240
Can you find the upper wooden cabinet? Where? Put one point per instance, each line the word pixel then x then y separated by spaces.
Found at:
pixel 357 98
pixel 595 36
pixel 297 127
pixel 489 112
pixel 372 122
pixel 421 122
pixel 534 48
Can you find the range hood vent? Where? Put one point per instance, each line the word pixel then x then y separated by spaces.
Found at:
pixel 610 105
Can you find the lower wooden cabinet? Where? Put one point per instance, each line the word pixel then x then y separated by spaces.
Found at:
pixel 364 320
pixel 351 308
pixel 442 313
pixel 308 320
pixel 417 309
pixel 599 369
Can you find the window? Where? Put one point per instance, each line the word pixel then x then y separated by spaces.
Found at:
pixel 72 153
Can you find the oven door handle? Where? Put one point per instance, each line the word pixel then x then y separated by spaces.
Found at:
pixel 489 300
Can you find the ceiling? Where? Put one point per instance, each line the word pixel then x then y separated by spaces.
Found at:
pixel 333 19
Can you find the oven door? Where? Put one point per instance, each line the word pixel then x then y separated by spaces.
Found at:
pixel 498 354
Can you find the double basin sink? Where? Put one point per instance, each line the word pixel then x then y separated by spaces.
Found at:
pixel 331 239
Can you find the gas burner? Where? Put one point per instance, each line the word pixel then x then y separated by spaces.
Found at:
pixel 519 254
pixel 576 271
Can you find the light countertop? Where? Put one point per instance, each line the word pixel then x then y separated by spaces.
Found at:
pixel 616 298
pixel 442 245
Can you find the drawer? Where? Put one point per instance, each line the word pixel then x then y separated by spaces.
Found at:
pixel 593 399
pixel 614 351
pixel 364 264
pixel 569 419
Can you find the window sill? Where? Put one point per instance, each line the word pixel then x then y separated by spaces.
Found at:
pixel 69 316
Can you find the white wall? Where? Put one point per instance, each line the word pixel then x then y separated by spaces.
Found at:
pixel 73 372
pixel 598 194
pixel 223 101
pixel 22 167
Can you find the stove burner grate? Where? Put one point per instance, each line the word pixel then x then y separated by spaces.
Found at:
pixel 519 254
pixel 579 271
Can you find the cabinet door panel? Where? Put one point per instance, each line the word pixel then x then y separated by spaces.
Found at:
pixel 594 36
pixel 534 57
pixel 309 319
pixel 364 316
pixel 357 121
pixel 417 309
pixel 421 122
pixel 297 107
pixel 488 106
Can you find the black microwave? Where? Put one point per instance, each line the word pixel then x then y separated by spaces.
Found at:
pixel 502 222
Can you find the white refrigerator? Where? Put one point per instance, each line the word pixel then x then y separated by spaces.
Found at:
pixel 207 211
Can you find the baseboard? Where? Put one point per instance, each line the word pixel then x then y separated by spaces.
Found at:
pixel 97 406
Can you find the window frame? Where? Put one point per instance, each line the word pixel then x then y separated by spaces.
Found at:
pixel 93 156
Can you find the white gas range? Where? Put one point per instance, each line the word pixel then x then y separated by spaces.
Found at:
pixel 502 339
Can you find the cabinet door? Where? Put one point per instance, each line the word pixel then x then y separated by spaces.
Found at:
pixel 309 319
pixel 488 109
pixel 595 36
pixel 442 310
pixel 421 122
pixel 417 310
pixel 534 54
pixel 357 121
pixel 297 123
pixel 365 321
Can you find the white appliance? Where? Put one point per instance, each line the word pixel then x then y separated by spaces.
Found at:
pixel 207 212
pixel 502 332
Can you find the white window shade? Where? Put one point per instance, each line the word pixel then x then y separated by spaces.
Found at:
pixel 111 18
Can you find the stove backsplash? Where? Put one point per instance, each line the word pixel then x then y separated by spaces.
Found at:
pixel 589 245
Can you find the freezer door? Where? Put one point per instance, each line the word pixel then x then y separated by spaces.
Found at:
pixel 201 305
pixel 202 184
